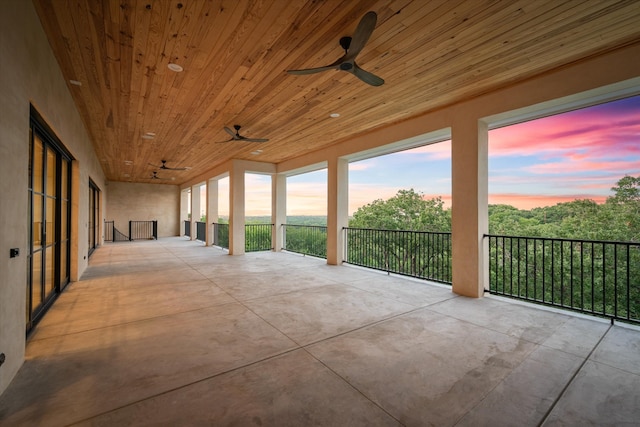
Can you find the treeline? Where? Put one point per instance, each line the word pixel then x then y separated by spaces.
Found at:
pixel 618 219
pixel 564 258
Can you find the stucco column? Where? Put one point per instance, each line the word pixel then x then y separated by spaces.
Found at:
pixel 184 209
pixel 195 210
pixel 212 208
pixel 337 208
pixel 236 210
pixel 278 209
pixel 469 212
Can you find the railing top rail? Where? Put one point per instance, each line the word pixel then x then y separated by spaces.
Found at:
pixel 561 239
pixel 396 231
pixel 303 225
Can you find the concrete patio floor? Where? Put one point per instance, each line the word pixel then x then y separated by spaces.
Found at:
pixel 172 333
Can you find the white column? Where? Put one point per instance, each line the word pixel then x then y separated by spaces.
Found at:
pixel 212 208
pixel 195 210
pixel 236 210
pixel 337 208
pixel 184 210
pixel 278 209
pixel 469 212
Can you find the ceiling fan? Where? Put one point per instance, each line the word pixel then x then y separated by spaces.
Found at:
pixel 352 47
pixel 164 166
pixel 155 176
pixel 235 136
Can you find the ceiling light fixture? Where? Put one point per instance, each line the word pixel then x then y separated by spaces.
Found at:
pixel 149 135
pixel 128 162
pixel 334 115
pixel 255 153
pixel 175 67
pixel 75 82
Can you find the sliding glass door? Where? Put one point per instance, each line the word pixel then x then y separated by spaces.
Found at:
pixel 50 207
pixel 94 216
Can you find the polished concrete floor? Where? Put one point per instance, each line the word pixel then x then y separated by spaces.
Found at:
pixel 173 333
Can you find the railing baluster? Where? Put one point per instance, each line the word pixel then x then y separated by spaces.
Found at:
pixel 603 286
pixel 420 254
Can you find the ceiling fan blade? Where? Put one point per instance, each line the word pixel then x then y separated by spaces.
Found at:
pixel 361 36
pixel 255 139
pixel 155 166
pixel 366 76
pixel 314 70
pixel 232 133
pixel 175 169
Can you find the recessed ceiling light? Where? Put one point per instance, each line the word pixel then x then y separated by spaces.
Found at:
pixel 149 135
pixel 75 82
pixel 334 115
pixel 128 162
pixel 255 153
pixel 126 175
pixel 175 67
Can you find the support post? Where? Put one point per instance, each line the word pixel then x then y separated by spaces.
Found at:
pixel 236 210
pixel 337 208
pixel 469 213
pixel 212 209
pixel 195 210
pixel 278 209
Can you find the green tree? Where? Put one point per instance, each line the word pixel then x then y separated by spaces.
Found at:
pixel 625 206
pixel 398 240
pixel 407 210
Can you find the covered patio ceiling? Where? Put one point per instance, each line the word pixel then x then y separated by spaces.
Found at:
pixel 235 55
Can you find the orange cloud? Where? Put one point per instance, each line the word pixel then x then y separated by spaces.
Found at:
pixel 527 201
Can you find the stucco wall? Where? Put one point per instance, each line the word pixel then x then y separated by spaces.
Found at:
pixel 144 202
pixel 29 74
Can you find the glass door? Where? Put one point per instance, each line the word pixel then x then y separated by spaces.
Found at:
pixel 49 205
pixel 94 210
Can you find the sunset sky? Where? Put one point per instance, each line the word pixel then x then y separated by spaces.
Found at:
pixel 579 154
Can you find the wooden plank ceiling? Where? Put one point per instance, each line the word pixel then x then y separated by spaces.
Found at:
pixel 431 53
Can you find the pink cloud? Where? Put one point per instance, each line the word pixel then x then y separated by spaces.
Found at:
pixel 592 133
pixel 361 165
pixel 436 151
pixel 580 165
pixel 528 201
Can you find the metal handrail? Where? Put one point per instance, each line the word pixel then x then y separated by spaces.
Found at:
pixel 421 254
pixel 258 237
pixel 590 276
pixel 305 239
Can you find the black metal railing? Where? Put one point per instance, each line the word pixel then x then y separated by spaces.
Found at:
pixel 221 235
pixel 143 230
pixel 187 228
pixel 422 254
pixel 138 230
pixel 258 237
pixel 595 277
pixel 305 239
pixel 112 234
pixel 201 231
